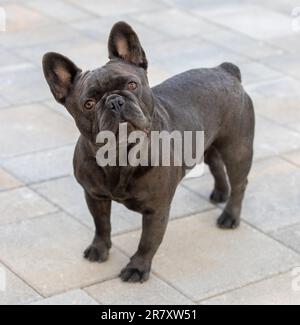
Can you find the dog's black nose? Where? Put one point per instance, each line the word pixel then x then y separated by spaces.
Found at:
pixel 115 103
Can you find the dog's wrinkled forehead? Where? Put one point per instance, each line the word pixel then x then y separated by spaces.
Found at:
pixel 111 77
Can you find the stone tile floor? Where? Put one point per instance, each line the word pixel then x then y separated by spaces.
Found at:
pixel 44 223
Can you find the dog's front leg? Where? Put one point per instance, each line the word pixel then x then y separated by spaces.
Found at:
pixel 100 210
pixel 154 226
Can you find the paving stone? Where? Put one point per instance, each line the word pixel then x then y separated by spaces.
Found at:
pixel 9 60
pixel 108 8
pixel 275 291
pixel 168 21
pixel 58 108
pixel 202 185
pixel 272 198
pixel 273 139
pixel 53 248
pixel 186 203
pixel 272 195
pixel 43 165
pixel 218 261
pixel 205 5
pixel 23 84
pixel 58 10
pixel 278 100
pixel 242 44
pixel 20 204
pixel 67 194
pixel 290 236
pixel 293 157
pixel 18 17
pixel 16 290
pixel 285 6
pixel 3 103
pixel 7 181
pixel 286 63
pixel 253 72
pixel 289 44
pixel 33 128
pixel 86 53
pixel 253 21
pixel 157 75
pixel 74 297
pixel 197 53
pixel 152 292
pixel 45 34
pixel 99 29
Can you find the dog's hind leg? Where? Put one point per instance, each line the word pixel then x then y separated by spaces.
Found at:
pixel 216 165
pixel 238 160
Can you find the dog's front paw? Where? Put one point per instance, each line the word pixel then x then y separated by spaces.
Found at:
pixel 135 273
pixel 96 253
pixel 227 221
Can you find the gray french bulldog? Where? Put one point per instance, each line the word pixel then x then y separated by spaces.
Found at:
pixel 210 100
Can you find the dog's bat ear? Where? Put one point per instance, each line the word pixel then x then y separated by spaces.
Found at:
pixel 123 43
pixel 60 73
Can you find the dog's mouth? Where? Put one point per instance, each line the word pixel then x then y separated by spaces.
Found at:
pixel 132 126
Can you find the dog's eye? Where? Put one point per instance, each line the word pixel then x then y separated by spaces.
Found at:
pixel 90 104
pixel 132 85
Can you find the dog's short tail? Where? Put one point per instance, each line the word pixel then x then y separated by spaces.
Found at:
pixel 232 69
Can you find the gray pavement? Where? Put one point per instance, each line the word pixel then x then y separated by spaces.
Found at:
pixel 44 223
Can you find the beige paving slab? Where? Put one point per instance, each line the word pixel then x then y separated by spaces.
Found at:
pixel 21 204
pixel 87 53
pixel 99 29
pixel 275 291
pixel 7 181
pixel 290 236
pixel 58 108
pixel 197 53
pixel 272 197
pixel 273 139
pixel 22 84
pixel 152 292
pixel 200 260
pixel 33 128
pixel 108 8
pixel 58 10
pixel 68 194
pixel 14 290
pixel 57 32
pixel 293 157
pixel 20 17
pixel 253 72
pixel 245 45
pixel 289 44
pixel 278 100
pixel 253 21
pixel 73 297
pixel 286 63
pixel 285 6
pixel 168 21
pixel 48 253
pixel 42 165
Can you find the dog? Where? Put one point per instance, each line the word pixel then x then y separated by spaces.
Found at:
pixel 209 99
